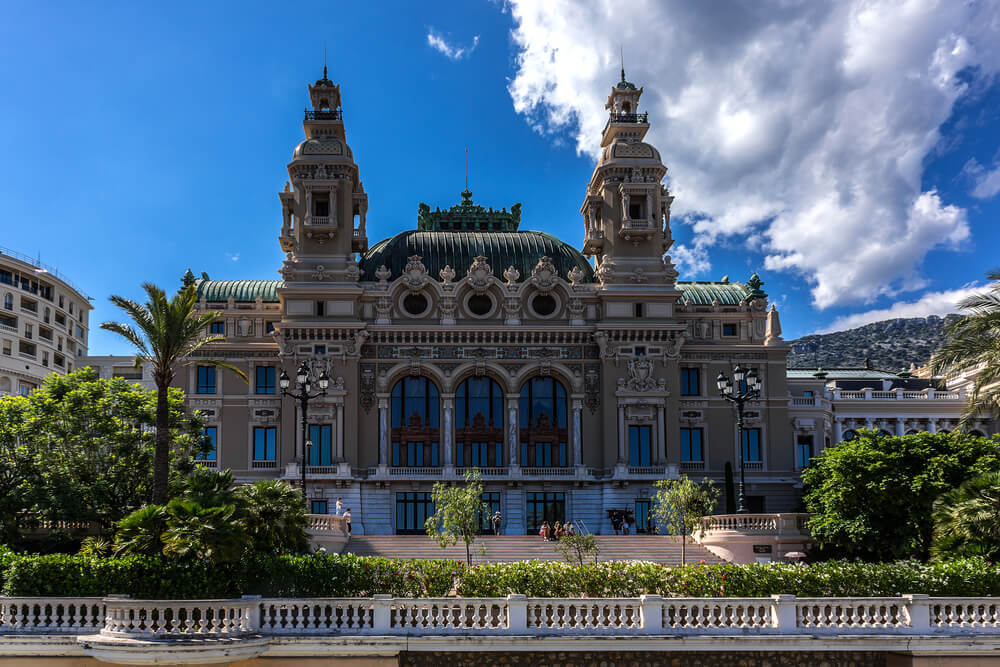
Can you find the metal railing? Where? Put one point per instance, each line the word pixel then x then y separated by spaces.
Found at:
pixel 327 114
pixel 45 268
pixel 629 118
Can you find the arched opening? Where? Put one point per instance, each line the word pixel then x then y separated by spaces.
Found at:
pixel 544 426
pixel 5 386
pixel 626 107
pixel 849 435
pixel 479 423
pixel 976 433
pixel 416 430
pixel 912 432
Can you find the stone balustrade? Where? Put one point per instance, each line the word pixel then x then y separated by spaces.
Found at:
pixel 897 394
pixel 328 531
pixel 123 618
pixel 745 538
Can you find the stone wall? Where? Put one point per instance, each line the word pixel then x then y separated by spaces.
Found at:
pixel 647 659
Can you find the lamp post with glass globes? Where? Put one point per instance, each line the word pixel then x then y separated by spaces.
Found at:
pixel 744 387
pixel 304 384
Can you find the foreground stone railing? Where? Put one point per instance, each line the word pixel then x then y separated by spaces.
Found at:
pixel 516 614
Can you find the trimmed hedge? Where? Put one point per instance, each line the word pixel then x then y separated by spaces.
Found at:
pixel 333 575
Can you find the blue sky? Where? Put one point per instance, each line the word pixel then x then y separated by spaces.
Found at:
pixel 854 164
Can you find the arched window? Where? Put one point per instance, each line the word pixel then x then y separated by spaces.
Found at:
pixel 478 423
pixel 849 435
pixel 976 433
pixel 912 432
pixel 543 423
pixel 883 433
pixel 415 429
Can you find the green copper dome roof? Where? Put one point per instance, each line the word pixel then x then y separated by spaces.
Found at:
pixel 242 291
pixel 703 293
pixel 520 249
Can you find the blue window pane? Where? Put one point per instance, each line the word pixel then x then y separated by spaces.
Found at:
pixel 210 434
pixel 321 436
pixel 265 380
pixel 690 381
pixel 751 444
pixel 218 328
pixel 264 443
pixel 206 380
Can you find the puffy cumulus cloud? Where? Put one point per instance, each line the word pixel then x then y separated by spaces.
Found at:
pixel 441 45
pixel 931 303
pixel 801 124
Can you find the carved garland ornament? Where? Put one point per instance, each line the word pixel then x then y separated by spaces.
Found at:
pixel 480 274
pixel 544 275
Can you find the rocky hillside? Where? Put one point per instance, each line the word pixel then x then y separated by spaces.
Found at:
pixel 890 345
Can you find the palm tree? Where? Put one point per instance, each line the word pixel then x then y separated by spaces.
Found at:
pixel 967 519
pixel 274 515
pixel 974 343
pixel 165 333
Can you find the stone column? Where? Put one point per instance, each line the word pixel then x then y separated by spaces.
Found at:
pixel 932 425
pixel 383 431
pixel 838 431
pixel 621 432
pixel 512 431
pixel 340 431
pixel 900 426
pixel 448 403
pixel 577 432
pixel 661 436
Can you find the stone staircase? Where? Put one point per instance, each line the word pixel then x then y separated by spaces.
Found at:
pixel 506 548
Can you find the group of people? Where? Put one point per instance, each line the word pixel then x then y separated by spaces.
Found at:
pixel 553 532
pixel 339 510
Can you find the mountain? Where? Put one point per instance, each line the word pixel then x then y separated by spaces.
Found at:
pixel 890 345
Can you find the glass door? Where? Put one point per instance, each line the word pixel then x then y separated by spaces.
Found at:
pixel 412 510
pixel 540 507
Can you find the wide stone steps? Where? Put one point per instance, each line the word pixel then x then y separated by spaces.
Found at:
pixel 507 548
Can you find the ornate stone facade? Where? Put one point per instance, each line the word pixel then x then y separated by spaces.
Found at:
pixel 471 342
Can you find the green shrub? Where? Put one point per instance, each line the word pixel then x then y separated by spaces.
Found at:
pixel 336 575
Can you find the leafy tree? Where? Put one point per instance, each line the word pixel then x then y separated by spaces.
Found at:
pixel 974 343
pixel 166 333
pixel 207 487
pixel 967 520
pixel 680 504
pixel 80 448
pixel 577 546
pixel 871 497
pixel 457 510
pixel 274 516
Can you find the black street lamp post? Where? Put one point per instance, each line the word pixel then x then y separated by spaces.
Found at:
pixel 744 387
pixel 304 384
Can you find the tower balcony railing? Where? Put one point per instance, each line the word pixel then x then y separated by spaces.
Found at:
pixel 630 118
pixel 326 114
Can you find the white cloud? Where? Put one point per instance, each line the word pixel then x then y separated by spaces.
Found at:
pixel 802 124
pixel 985 183
pixel 233 256
pixel 931 303
pixel 439 44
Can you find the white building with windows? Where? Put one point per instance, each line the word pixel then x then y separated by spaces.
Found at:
pixel 44 323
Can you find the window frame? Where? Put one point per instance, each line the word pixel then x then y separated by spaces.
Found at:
pixel 202 385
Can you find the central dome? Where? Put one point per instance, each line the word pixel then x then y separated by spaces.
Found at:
pixel 520 249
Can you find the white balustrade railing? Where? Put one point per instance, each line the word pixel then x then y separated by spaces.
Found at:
pixel 56 616
pixel 145 619
pixel 119 618
pixel 326 523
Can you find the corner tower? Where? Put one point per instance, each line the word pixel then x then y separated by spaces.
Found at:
pixel 324 204
pixel 626 211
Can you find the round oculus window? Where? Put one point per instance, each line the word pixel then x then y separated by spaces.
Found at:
pixel 544 304
pixel 415 304
pixel 480 304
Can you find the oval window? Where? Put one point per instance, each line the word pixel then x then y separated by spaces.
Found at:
pixel 544 304
pixel 415 304
pixel 480 304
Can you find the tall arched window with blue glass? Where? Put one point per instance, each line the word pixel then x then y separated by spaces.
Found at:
pixel 416 430
pixel 479 423
pixel 544 425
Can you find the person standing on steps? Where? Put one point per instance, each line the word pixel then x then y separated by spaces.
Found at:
pixel 496 522
pixel 347 518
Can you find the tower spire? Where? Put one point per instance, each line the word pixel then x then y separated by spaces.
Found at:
pixel 324 61
pixel 621 53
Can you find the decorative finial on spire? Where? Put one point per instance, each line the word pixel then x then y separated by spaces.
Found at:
pixel 324 58
pixel 622 53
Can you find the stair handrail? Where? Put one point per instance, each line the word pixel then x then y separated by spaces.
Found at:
pixel 584 530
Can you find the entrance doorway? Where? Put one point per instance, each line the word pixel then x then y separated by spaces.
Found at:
pixel 643 521
pixel 540 507
pixel 412 509
pixel 492 500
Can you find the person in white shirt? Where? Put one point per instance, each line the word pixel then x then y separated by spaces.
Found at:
pixel 339 508
pixel 347 517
